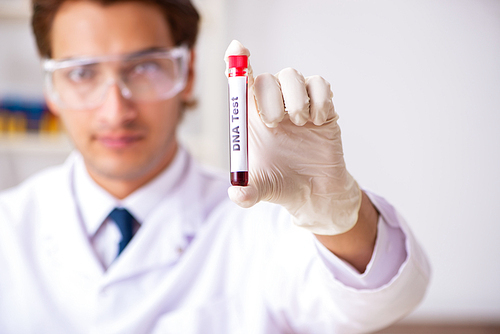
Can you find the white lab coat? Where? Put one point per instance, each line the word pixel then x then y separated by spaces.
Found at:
pixel 245 271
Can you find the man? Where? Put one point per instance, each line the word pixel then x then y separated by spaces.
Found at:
pixel 130 235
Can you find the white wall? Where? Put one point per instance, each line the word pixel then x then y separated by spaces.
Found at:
pixel 417 86
pixel 19 66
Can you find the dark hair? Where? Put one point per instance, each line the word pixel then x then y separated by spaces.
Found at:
pixel 180 15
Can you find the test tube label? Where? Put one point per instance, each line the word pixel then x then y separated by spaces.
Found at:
pixel 238 123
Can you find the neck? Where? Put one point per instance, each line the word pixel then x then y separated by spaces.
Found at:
pixel 121 187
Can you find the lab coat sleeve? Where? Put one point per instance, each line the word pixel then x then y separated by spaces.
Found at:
pixel 388 256
pixel 315 300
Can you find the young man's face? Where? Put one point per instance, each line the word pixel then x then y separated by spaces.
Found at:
pixel 121 140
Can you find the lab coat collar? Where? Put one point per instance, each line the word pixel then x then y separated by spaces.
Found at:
pixel 93 203
pixel 143 201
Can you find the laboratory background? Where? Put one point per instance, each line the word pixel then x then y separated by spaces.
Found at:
pixel 416 84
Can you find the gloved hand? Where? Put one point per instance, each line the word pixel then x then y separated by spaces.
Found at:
pixel 295 151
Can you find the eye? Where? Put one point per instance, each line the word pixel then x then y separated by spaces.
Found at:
pixel 80 74
pixel 146 68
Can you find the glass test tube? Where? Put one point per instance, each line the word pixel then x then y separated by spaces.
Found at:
pixel 238 119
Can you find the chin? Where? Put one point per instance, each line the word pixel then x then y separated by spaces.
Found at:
pixel 119 169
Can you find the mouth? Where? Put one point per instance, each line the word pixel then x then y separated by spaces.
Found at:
pixel 118 141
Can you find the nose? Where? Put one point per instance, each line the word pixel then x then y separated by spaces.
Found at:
pixel 116 109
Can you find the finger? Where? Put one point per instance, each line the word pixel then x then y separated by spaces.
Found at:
pixel 244 196
pixel 295 96
pixel 321 105
pixel 269 99
pixel 236 48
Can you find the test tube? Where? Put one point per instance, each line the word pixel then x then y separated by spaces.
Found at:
pixel 238 119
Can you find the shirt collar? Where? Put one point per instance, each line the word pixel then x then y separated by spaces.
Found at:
pixel 95 203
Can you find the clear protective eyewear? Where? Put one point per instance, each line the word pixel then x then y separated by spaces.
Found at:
pixel 146 76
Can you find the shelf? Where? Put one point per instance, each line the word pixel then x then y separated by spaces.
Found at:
pixel 34 143
pixel 24 154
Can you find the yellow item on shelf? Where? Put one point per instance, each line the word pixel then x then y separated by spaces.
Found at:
pixel 3 121
pixel 17 122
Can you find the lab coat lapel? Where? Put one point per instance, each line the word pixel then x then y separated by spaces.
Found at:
pixel 65 242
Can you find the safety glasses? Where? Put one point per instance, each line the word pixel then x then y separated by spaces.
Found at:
pixel 146 76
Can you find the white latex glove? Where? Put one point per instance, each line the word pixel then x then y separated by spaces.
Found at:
pixel 295 151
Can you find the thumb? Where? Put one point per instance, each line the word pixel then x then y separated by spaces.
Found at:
pixel 244 196
pixel 235 48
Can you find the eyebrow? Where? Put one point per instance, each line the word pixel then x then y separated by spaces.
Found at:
pixel 125 56
pixel 145 51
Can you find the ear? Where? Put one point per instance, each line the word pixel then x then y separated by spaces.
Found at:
pixel 188 90
pixel 52 106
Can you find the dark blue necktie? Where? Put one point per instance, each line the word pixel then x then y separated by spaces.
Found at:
pixel 124 220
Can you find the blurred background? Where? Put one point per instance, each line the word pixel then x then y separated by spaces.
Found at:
pixel 416 84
